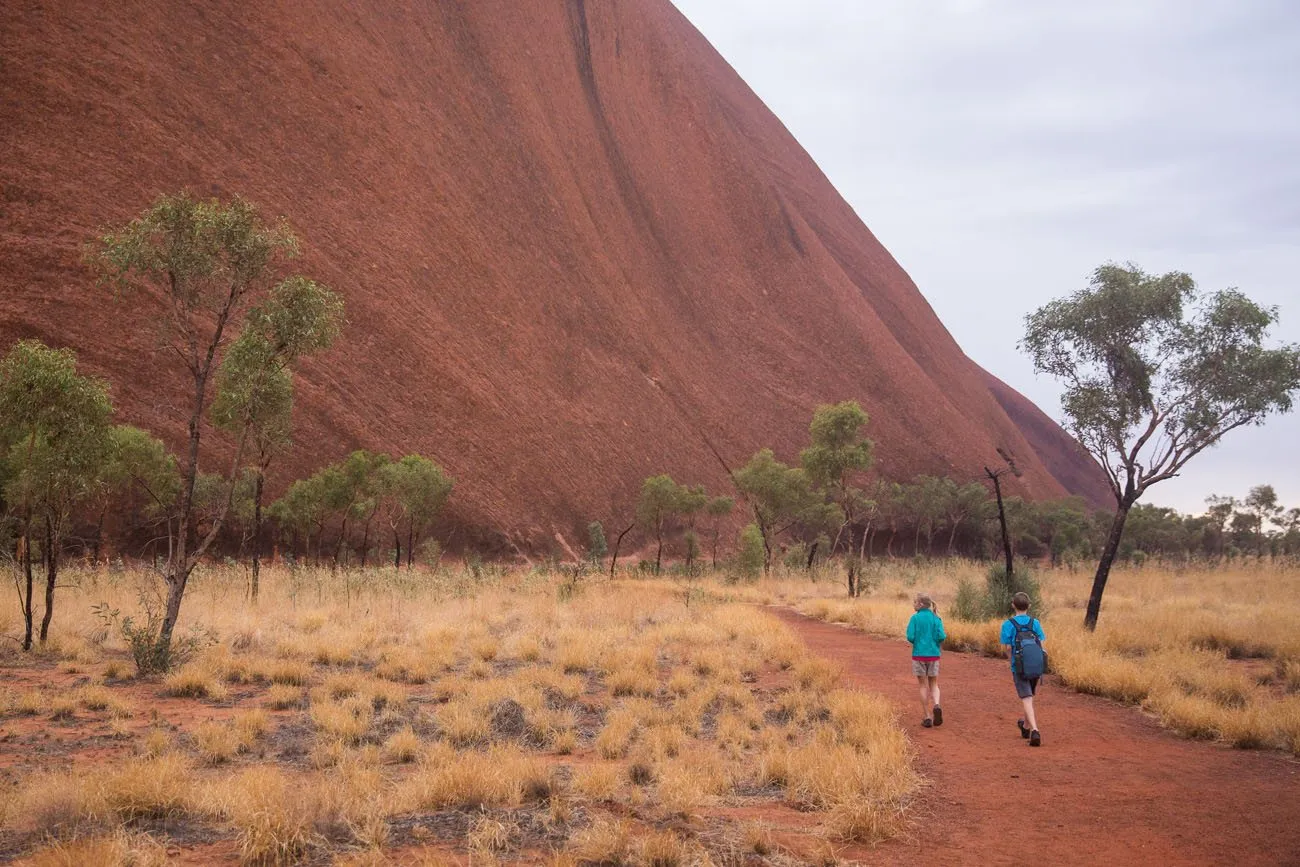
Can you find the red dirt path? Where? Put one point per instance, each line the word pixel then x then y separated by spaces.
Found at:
pixel 1114 787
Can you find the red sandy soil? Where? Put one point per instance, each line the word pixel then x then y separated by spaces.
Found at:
pixel 576 249
pixel 1111 787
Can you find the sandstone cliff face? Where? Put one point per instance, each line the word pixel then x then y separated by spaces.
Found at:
pixel 576 248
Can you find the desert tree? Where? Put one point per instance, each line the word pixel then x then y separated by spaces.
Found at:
pixel 659 502
pixel 959 504
pixel 254 392
pixel 138 477
pixel 1262 505
pixel 781 497
pixel 209 263
pixel 693 500
pixel 718 508
pixel 1064 527
pixel 56 425
pixel 597 546
pixel 1220 511
pixel 302 512
pixel 416 489
pixel 837 451
pixel 1155 372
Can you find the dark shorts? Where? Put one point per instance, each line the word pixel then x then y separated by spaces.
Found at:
pixel 1024 688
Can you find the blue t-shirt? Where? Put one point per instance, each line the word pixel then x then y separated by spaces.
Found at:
pixel 1009 632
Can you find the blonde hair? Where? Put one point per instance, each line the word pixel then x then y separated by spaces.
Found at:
pixel 923 600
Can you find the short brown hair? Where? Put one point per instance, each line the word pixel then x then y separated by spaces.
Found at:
pixel 1020 602
pixel 923 600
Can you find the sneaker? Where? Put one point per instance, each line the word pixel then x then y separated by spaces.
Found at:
pixel 938 716
pixel 925 724
pixel 1035 739
pixel 1024 730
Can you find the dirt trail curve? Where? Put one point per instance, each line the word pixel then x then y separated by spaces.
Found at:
pixel 1112 787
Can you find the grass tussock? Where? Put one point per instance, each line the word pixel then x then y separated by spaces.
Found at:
pixel 195 681
pixel 120 848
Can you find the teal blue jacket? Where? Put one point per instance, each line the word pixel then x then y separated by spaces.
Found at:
pixel 925 631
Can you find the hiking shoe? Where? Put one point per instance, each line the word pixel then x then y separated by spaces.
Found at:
pixel 925 724
pixel 1024 730
pixel 1034 739
pixel 938 716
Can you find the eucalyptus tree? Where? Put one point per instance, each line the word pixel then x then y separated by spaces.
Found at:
pixel 838 451
pixel 959 504
pixel 254 393
pixel 1262 505
pixel 210 262
pixel 414 490
pixel 138 476
pixel 55 425
pixel 660 501
pixel 780 497
pixel 717 509
pixel 1156 372
pixel 1220 510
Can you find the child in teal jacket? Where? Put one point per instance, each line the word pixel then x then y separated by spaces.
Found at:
pixel 925 631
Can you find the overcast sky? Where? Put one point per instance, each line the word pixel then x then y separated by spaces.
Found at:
pixel 1002 150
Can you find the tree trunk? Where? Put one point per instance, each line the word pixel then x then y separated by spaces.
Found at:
pixel 812 553
pixel 365 542
pixel 952 535
pixel 27 574
pixel 410 544
pixel 99 538
pixel 916 540
pixel 257 532
pixel 889 545
pixel 613 561
pixel 1002 520
pixel 853 577
pixel 179 564
pixel 715 547
pixel 176 582
pixel 51 575
pixel 1103 566
pixel 338 548
pixel 659 544
pixel 397 544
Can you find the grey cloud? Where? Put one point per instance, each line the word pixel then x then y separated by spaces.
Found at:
pixel 1003 150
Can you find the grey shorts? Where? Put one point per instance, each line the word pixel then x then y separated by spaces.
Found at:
pixel 925 669
pixel 1025 688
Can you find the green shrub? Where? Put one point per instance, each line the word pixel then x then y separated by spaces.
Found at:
pixel 993 601
pixel 751 554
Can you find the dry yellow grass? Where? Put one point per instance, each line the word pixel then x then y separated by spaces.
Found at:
pixel 283 697
pixel 195 681
pixel 120 848
pixel 406 698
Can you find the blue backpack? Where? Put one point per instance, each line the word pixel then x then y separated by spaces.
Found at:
pixel 1028 659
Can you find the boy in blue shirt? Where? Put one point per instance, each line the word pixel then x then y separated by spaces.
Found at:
pixel 1025 688
pixel 925 631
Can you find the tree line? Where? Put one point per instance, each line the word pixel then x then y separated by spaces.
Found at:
pixel 1155 372
pixel 236 326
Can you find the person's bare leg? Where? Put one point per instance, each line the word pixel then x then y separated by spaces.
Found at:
pixel 937 713
pixel 1030 719
pixel 934 690
pixel 926 706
